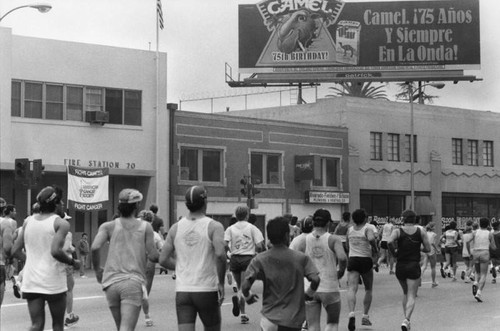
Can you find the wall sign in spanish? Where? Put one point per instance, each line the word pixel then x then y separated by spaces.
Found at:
pixel 88 188
pixel 326 197
pixel 333 35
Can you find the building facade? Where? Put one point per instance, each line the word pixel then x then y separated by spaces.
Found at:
pixel 297 167
pixel 457 160
pixel 48 88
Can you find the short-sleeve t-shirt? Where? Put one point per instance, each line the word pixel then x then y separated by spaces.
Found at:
pixel 282 271
pixel 242 237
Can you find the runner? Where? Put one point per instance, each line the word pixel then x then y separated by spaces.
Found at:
pixel 362 245
pixel 469 266
pixel 44 277
pixel 200 264
pixel 131 244
pixel 495 253
pixel 482 241
pixel 342 228
pixel 282 271
pixel 71 318
pixel 326 251
pixel 244 241
pixel 385 255
pixel 7 227
pixel 431 257
pixel 409 240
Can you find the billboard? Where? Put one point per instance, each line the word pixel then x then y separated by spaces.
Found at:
pixel 301 36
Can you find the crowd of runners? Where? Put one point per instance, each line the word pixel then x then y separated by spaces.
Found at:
pixel 301 264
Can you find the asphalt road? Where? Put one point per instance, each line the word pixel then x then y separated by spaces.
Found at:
pixel 450 306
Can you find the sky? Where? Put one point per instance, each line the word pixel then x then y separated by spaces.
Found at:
pixel 201 36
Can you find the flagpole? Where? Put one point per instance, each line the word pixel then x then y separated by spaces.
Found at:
pixel 157 57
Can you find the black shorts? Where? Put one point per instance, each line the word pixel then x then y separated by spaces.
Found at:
pixel 360 264
pixel 45 297
pixel 239 263
pixel 383 245
pixel 205 304
pixel 3 275
pixel 408 270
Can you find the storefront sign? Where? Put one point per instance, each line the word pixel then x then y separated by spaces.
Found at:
pixel 326 197
pixel 380 36
pixel 99 164
pixel 88 188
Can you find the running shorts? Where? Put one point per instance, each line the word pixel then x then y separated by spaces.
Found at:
pixel 205 304
pixel 239 263
pixel 408 270
pixel 360 264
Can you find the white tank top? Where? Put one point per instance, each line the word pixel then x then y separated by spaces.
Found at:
pixel 325 261
pixel 42 272
pixel 195 267
pixel 481 240
pixel 358 242
pixel 386 231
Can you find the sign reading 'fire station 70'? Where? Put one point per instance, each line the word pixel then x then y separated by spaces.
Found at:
pixel 326 197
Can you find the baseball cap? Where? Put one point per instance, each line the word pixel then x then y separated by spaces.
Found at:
pixel 196 194
pixel 129 195
pixel 322 214
pixel 46 195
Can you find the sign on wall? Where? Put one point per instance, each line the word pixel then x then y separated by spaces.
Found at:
pixel 332 35
pixel 88 188
pixel 326 197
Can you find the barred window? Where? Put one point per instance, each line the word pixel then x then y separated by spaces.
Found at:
pixel 375 146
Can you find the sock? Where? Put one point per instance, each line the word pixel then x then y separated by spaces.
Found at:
pixel 351 314
pixel 366 316
pixel 478 292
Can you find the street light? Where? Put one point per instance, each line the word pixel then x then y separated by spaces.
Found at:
pixel 41 7
pixel 412 125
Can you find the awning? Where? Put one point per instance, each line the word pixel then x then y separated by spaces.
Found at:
pixel 424 206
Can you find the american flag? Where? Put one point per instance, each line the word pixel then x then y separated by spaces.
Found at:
pixel 159 11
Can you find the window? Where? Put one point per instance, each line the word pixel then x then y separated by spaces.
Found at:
pixel 66 102
pixel 393 147
pixel 93 99
pixel 472 152
pixel 265 168
pixel 457 151
pixel 74 103
pixel 54 102
pixel 203 165
pixel 329 172
pixel 15 100
pixel 488 153
pixel 33 100
pixel 407 148
pixel 375 146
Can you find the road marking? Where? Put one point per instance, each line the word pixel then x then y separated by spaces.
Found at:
pixel 74 299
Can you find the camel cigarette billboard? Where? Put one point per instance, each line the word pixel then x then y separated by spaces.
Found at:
pixel 332 35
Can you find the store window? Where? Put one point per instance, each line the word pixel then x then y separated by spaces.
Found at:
pixel 330 173
pixel 472 153
pixel 488 153
pixel 393 147
pixel 265 168
pixel 201 165
pixel 375 146
pixel 457 151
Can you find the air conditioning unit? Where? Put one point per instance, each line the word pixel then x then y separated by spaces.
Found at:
pixel 99 117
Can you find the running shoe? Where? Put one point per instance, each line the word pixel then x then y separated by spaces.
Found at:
pixel 454 279
pixel 391 272
pixel 149 322
pixel 305 327
pixel 236 305
pixel 467 280
pixel 462 275
pixel 434 285
pixel 443 274
pixel 472 278
pixel 244 319
pixel 16 287
pixel 405 326
pixel 71 320
pixel 494 281
pixel 474 289
pixel 366 321
pixel 478 297
pixel 375 267
pixel 352 324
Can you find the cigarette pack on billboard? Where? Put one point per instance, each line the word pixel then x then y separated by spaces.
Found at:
pixel 348 42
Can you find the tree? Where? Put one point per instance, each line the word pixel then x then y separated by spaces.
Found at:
pixel 418 93
pixel 358 89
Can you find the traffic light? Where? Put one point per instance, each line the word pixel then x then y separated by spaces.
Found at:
pixel 244 190
pixel 22 169
pixel 38 168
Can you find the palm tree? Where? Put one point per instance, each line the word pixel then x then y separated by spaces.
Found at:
pixel 359 89
pixel 418 93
